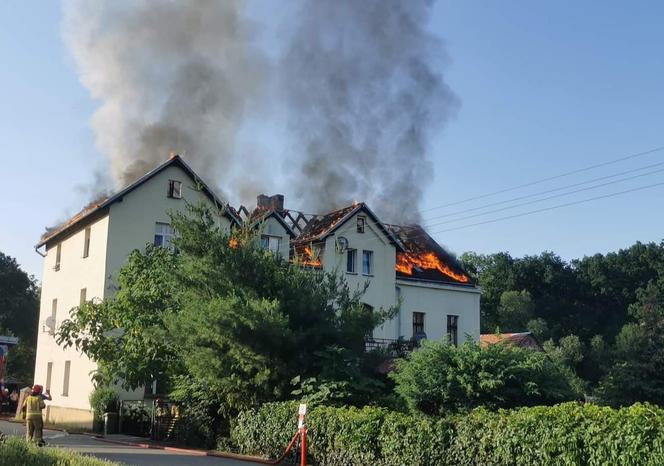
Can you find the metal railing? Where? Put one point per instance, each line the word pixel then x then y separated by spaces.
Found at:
pixel 393 347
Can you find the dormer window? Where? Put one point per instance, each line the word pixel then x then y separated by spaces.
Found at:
pixel 360 224
pixel 175 189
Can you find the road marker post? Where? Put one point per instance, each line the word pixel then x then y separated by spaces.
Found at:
pixel 302 429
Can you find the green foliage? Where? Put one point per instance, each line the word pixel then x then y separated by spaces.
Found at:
pixel 565 434
pixel 15 452
pixel 638 371
pixel 514 311
pixel 589 298
pixel 226 324
pixel 126 335
pixel 19 316
pixel 539 328
pixel 104 400
pixel 440 378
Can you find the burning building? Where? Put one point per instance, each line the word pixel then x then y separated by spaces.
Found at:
pixel 401 265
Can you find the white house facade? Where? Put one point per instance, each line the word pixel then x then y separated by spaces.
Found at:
pixel 82 258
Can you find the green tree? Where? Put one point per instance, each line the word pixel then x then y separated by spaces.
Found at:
pixel 539 328
pixel 440 378
pixel 19 316
pixel 638 371
pixel 514 311
pixel 224 322
pixel 126 335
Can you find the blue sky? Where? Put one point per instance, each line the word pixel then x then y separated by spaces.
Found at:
pixel 545 88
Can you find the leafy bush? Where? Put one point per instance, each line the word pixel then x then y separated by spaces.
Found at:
pixel 15 451
pixel 439 378
pixel 565 434
pixel 104 400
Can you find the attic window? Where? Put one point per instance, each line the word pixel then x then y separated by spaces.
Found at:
pixel 360 224
pixel 175 189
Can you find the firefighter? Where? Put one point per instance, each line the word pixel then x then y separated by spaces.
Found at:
pixel 33 405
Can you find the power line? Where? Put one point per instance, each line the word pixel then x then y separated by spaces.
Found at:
pixel 559 206
pixel 544 192
pixel 547 198
pixel 544 209
pixel 549 178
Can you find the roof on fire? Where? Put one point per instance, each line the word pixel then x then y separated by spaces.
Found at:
pixel 100 204
pixel 322 226
pixel 417 241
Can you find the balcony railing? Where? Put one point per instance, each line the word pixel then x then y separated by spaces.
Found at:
pixel 396 348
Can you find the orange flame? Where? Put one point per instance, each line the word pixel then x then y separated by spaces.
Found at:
pixel 426 260
pixel 233 243
pixel 309 259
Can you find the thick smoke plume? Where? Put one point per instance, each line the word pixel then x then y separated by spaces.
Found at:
pixel 171 76
pixel 358 80
pixel 365 97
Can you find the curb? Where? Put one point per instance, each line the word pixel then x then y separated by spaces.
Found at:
pixel 151 446
pixel 211 453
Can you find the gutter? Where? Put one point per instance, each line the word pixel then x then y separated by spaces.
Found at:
pixel 38 251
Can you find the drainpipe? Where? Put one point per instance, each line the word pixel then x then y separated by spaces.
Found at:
pixel 39 252
pixel 398 295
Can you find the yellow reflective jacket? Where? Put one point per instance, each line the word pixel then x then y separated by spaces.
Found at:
pixel 33 406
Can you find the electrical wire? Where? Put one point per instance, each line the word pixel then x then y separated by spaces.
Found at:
pixel 559 206
pixel 527 196
pixel 549 178
pixel 546 198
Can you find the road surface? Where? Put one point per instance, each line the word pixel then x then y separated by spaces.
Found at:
pixel 122 454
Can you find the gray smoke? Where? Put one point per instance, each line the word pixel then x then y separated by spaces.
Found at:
pixel 364 96
pixel 358 80
pixel 170 76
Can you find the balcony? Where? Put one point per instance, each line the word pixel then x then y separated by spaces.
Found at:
pixel 395 348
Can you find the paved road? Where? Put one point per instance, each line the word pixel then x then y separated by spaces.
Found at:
pixel 120 453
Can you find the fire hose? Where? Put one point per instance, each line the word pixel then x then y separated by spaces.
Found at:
pixel 300 434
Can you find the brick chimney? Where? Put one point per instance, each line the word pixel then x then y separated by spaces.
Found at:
pixel 275 202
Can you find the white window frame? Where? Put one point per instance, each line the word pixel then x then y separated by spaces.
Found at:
pixel 65 379
pixel 368 270
pixel 175 189
pixel 453 339
pixel 271 243
pixel 165 232
pixel 86 242
pixel 353 262
pixel 361 223
pixel 58 257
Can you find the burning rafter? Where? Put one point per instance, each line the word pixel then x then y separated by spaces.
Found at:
pixel 424 257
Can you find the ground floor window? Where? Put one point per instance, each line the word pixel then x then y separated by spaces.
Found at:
pixel 453 329
pixel 65 382
pixel 418 323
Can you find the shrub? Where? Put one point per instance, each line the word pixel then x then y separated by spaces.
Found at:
pixel 565 434
pixel 439 378
pixel 104 400
pixel 15 451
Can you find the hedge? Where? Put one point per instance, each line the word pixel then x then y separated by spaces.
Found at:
pixel 565 434
pixel 16 452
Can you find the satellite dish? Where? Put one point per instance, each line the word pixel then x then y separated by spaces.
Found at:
pixel 342 243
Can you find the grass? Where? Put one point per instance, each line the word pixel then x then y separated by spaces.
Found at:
pixel 17 452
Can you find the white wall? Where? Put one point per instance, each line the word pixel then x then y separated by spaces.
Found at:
pixel 65 285
pixel 381 291
pixel 129 225
pixel 437 302
pixel 132 221
pixel 271 226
